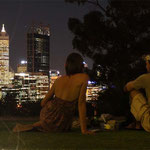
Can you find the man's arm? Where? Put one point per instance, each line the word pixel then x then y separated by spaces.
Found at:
pixel 129 86
pixel 136 84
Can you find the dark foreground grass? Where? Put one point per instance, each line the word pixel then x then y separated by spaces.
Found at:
pixel 112 140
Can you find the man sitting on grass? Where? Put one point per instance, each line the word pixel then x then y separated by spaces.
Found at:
pixel 140 105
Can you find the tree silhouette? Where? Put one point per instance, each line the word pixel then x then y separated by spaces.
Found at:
pixel 115 36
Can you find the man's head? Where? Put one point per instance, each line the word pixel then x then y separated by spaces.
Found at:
pixel 147 60
pixel 148 65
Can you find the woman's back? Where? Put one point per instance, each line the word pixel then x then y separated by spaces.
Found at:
pixel 69 87
pixel 57 114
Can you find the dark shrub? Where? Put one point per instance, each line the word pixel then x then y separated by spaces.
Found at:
pixel 113 101
pixel 29 108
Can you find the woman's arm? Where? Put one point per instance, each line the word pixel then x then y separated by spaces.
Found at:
pixel 48 96
pixel 82 108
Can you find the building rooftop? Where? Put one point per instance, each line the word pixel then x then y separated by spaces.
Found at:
pixel 3 34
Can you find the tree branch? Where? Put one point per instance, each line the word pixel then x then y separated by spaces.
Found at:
pixel 96 3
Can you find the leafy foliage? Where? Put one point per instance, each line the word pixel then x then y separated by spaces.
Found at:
pixel 114 37
pixel 114 102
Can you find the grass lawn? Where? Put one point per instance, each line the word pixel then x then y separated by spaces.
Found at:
pixel 112 140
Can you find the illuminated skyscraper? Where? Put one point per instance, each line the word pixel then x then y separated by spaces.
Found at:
pixel 4 57
pixel 38 38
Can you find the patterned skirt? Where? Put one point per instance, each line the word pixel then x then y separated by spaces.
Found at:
pixel 56 115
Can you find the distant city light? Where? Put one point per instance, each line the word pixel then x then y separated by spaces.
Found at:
pixel 22 74
pixel 104 87
pixel 23 62
pixel 58 72
pixel 19 106
pixel 91 82
pixel 85 64
pixel 54 73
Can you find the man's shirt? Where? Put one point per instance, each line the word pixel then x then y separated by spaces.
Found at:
pixel 143 82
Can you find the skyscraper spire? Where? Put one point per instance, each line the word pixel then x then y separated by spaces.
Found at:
pixel 4 58
pixel 3 28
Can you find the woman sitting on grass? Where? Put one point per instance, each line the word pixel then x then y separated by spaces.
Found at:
pixel 58 106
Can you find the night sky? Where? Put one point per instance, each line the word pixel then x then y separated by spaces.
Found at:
pixel 17 15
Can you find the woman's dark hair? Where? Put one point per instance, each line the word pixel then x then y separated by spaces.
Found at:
pixel 74 64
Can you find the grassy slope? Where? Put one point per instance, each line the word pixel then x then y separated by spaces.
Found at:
pixel 74 140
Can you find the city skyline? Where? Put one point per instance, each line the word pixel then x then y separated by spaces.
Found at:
pixel 19 15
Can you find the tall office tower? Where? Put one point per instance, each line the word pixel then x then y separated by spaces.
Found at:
pixel 4 57
pixel 38 41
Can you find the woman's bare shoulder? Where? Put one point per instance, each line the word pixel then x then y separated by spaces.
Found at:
pixel 58 79
pixel 61 77
pixel 83 76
